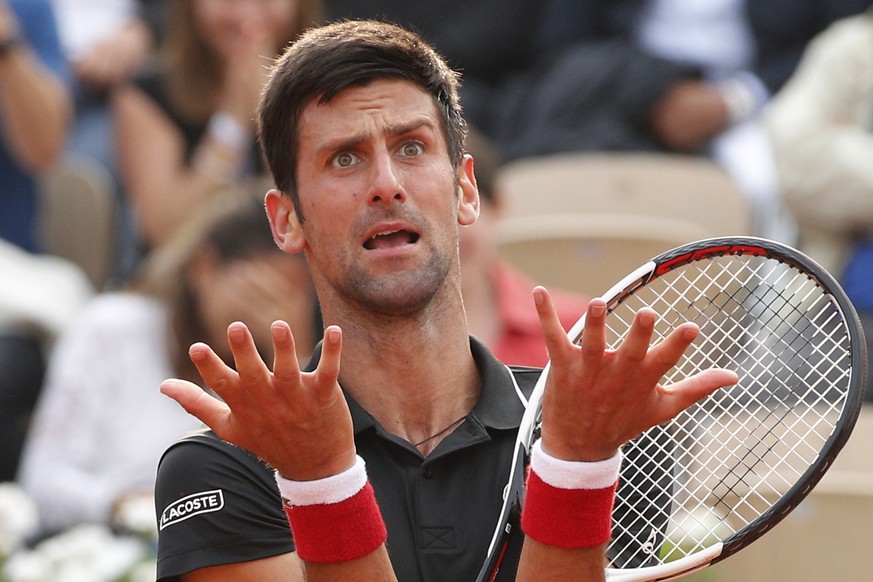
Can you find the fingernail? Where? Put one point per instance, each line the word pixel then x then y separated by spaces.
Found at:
pixel 197 351
pixel 597 310
pixel 647 318
pixel 332 334
pixel 236 333
pixel 280 332
pixel 690 333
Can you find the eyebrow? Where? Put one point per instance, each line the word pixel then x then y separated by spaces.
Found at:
pixel 391 129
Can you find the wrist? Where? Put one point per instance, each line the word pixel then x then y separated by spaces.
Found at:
pixel 333 489
pixel 334 519
pixel 568 504
pixel 224 149
pixel 228 131
pixel 574 474
pixel 744 95
pixel 554 446
pixel 320 470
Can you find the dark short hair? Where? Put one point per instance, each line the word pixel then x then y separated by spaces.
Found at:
pixel 326 60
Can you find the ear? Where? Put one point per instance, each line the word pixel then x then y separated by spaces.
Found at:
pixel 287 231
pixel 468 199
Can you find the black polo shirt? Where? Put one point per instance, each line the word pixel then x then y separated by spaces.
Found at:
pixel 217 504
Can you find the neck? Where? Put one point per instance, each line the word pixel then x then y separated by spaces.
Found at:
pixel 415 374
pixel 481 305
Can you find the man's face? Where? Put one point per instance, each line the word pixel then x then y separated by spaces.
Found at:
pixel 381 200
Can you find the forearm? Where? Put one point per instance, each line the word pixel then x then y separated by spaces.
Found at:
pixel 374 567
pixel 166 201
pixel 567 517
pixel 337 526
pixel 167 192
pixel 35 107
pixel 544 562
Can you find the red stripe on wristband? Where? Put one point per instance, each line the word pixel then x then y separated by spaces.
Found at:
pixel 338 532
pixel 567 518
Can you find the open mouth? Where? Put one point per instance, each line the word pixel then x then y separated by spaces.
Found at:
pixel 391 239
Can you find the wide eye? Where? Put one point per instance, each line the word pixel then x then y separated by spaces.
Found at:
pixel 345 160
pixel 411 149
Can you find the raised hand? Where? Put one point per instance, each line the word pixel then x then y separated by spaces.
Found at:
pixel 248 56
pixel 596 399
pixel 296 421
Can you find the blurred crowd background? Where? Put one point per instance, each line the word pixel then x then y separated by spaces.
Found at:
pixel 131 188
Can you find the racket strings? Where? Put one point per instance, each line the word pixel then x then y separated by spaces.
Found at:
pixel 721 465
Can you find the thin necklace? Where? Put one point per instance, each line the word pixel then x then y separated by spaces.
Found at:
pixel 443 431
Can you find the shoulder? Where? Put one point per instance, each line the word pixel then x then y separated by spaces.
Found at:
pixel 152 80
pixel 216 504
pixel 151 83
pixel 200 457
pixel 32 12
pixel 37 20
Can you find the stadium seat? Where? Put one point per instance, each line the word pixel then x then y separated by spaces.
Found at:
pixel 582 221
pixel 78 218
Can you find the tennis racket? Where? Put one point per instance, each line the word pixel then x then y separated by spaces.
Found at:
pixel 726 470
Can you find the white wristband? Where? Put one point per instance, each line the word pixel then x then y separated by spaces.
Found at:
pixel 333 489
pixel 228 131
pixel 574 474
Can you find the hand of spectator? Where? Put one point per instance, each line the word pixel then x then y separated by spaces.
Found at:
pixel 298 422
pixel 248 59
pixel 689 116
pixel 116 58
pixel 597 399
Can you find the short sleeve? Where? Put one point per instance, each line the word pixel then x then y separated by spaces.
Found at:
pixel 38 22
pixel 216 504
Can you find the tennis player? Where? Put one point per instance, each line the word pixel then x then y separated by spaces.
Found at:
pixel 386 457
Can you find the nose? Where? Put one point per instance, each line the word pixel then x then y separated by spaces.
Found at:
pixel 385 186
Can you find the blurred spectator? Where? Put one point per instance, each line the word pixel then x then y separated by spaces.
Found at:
pixel 40 295
pixel 542 77
pixel 821 127
pixel 550 76
pixel 22 360
pixel 565 75
pixel 782 29
pixel 106 42
pixel 37 294
pixel 186 125
pixel 101 424
pixel 498 298
pixel 35 110
pixel 745 51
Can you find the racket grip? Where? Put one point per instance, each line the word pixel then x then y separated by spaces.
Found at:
pixel 334 519
pixel 569 504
